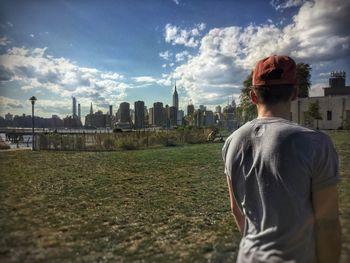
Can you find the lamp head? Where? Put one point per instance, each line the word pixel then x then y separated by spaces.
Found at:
pixel 33 99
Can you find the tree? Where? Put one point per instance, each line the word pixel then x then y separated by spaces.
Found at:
pixel 246 107
pixel 314 112
pixel 304 82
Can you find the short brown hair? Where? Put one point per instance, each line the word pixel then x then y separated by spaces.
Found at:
pixel 273 94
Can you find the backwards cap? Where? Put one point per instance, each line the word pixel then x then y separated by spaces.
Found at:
pixel 275 70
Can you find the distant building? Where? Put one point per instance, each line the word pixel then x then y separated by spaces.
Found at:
pixel 99 120
pixel 218 109
pixel 208 118
pixel 9 117
pixel 124 109
pixel 150 117
pixel 190 109
pixel 79 111
pixel 25 121
pixel 56 122
pixel 337 84
pixel 229 122
pixel 74 106
pixel 139 122
pixel 334 106
pixel 91 109
pixel 199 118
pixel 110 110
pixel 219 119
pixel 171 116
pixel 180 116
pixel 73 123
pixel 202 108
pixel 96 120
pixel 158 114
pixel 175 99
pixel 145 116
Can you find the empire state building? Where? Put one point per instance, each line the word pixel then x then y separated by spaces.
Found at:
pixel 175 99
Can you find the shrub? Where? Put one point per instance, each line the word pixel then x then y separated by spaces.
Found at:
pixel 4 146
pixel 55 139
pixel 108 143
pixel 43 142
pixel 79 143
pixel 127 143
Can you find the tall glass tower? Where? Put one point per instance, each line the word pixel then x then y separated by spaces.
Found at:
pixel 74 107
pixel 175 99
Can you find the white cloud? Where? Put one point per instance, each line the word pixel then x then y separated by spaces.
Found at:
pixel 146 79
pixel 4 41
pixel 324 74
pixel 112 75
pixel 318 33
pixel 187 37
pixel 34 70
pixel 32 35
pixel 182 56
pixel 165 55
pixel 176 2
pixel 8 105
pixel 283 4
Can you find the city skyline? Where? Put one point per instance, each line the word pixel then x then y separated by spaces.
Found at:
pixel 116 51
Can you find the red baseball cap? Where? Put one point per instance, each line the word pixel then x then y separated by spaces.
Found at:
pixel 275 70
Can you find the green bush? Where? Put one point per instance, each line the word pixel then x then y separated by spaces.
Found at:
pixel 55 139
pixel 108 143
pixel 128 143
pixel 43 142
pixel 79 143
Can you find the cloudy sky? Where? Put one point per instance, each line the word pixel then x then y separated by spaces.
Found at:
pixel 106 52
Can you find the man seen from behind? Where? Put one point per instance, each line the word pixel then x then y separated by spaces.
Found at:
pixel 282 177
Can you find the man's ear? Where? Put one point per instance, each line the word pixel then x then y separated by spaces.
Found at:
pixel 253 97
pixel 295 92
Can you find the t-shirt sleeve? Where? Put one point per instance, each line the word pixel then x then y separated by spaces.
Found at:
pixel 326 164
pixel 224 155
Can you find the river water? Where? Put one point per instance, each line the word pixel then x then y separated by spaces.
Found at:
pixel 27 141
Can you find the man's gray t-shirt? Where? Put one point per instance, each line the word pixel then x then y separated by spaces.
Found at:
pixel 274 166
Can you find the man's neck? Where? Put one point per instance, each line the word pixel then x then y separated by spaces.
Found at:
pixel 281 110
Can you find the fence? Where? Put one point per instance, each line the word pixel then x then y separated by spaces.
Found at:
pixel 120 140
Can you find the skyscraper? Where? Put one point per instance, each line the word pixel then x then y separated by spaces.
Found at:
pixel 124 108
pixel 180 116
pixel 139 114
pixel 175 99
pixel 190 109
pixel 172 116
pixel 91 110
pixel 158 114
pixel 110 110
pixel 79 112
pixel 150 117
pixel 74 107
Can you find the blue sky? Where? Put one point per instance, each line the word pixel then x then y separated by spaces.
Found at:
pixel 106 52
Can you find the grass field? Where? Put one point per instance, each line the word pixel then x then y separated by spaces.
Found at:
pixel 168 204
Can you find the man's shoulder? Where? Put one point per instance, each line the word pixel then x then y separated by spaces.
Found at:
pixel 278 130
pixel 241 131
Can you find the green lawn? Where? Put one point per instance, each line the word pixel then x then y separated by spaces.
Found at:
pixel 168 204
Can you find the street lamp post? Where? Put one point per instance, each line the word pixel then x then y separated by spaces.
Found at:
pixel 33 99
